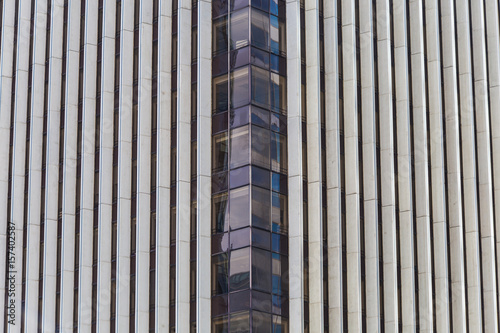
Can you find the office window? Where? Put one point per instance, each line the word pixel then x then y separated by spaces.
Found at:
pixel 239 208
pixel 239 29
pixel 239 87
pixel 260 29
pixel 239 147
pixel 239 269
pixel 261 208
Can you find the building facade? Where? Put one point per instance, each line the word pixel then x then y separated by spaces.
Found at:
pixel 250 166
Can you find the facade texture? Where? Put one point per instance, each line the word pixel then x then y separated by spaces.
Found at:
pixel 250 166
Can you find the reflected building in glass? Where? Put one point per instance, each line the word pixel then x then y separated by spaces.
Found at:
pixel 250 166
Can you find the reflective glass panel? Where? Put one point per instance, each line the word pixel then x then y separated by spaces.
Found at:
pixel 219 39
pixel 219 305
pixel 220 325
pixel 239 147
pixel 240 57
pixel 261 4
pixel 238 117
pixel 275 36
pixel 260 86
pixel 240 323
pixel 219 213
pixel 278 152
pixel 259 58
pixel 239 208
pixel 239 177
pixel 239 301
pixel 239 269
pixel 274 7
pixel 239 238
pixel 260 146
pixel 239 87
pixel 260 29
pixel 219 7
pixel 261 265
pixel 279 213
pixel 261 207
pixel 260 117
pixel 239 29
pixel 280 325
pixel 261 301
pixel 261 322
pixel 220 93
pixel 278 92
pixel 220 242
pixel 219 152
pixel 260 177
pixel 278 123
pixel 219 274
pixel 261 238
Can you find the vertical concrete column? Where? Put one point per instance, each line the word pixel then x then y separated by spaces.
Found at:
pixel 438 180
pixel 454 174
pixel 406 232
pixel 420 146
pixel 52 169
pixel 87 168
pixel 474 302
pixel 204 172
pixel 143 166
pixel 106 166
pixel 69 166
pixel 370 186
pixel 124 166
pixel 314 181
pixel 35 166
pixel 353 231
pixel 295 175
pixel 333 167
pixel 387 151
pixel 183 183
pixel 19 153
pixel 6 62
pixel 493 42
pixel 163 166
pixel 484 173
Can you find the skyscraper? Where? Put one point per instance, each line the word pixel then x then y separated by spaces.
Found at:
pixel 250 165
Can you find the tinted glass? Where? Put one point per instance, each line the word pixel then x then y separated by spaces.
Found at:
pixel 275 36
pixel 220 93
pixel 261 301
pixel 279 213
pixel 219 39
pixel 219 64
pixel 238 117
pixel 220 242
pixel 240 57
pixel 239 87
pixel 239 275
pixel 260 86
pixel 239 238
pixel 239 177
pixel 219 213
pixel 279 183
pixel 240 323
pixel 261 322
pixel 261 207
pixel 239 29
pixel 239 301
pixel 261 264
pixel 219 305
pixel 239 208
pixel 260 146
pixel 260 117
pixel 261 238
pixel 260 177
pixel 259 58
pixel 278 152
pixel 219 7
pixel 219 152
pixel 239 147
pixel 278 92
pixel 260 29
pixel 261 4
pixel 274 7
pixel 220 325
pixel 219 274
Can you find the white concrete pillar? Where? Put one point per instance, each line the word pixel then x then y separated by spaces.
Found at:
pixel 35 166
pixel 454 193
pixel 124 166
pixel 69 167
pixel 406 232
pixel 143 166
pixel 484 173
pixel 474 303
pixel 387 151
pixel 103 303
pixel 183 182
pixel 295 175
pixel 19 154
pixel 353 227
pixel 333 167
pixel 370 186
pixel 438 180
pixel 163 167
pixel 6 62
pixel 204 172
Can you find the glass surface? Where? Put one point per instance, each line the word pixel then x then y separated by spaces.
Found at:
pixel 274 7
pixel 240 57
pixel 219 7
pixel 261 301
pixel 219 274
pixel 219 182
pixel 260 208
pixel 280 325
pixel 279 213
pixel 240 323
pixel 220 325
pixel 220 93
pixel 261 4
pixel 219 305
pixel 261 238
pixel 239 238
pixel 261 265
pixel 279 183
pixel 219 122
pixel 239 208
pixel 219 38
pixel 260 86
pixel 219 64
pixel 238 4
pixel 278 123
pixel 261 322
pixel 239 147
pixel 259 58
pixel 260 117
pixel 280 274
pixel 239 269
pixel 239 87
pixel 239 177
pixel 239 29
pixel 278 64
pixel 220 242
pixel 219 152
pixel 260 29
pixel 260 177
pixel 278 152
pixel 239 301
pixel 219 213
pixel 238 117
pixel 260 146
pixel 278 92
pixel 275 35
pixel 282 36
pixel 279 243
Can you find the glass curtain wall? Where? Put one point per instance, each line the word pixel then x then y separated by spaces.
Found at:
pixel 249 167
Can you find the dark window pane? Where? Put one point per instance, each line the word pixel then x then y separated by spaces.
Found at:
pixel 219 38
pixel 219 213
pixel 260 208
pixel 239 301
pixel 275 42
pixel 282 36
pixel 219 152
pixel 219 123
pixel 219 305
pixel 274 7
pixel 219 64
pixel 261 238
pixel 280 325
pixel 219 7
pixel 280 271
pixel 260 146
pixel 239 207
pixel 239 238
pixel 238 117
pixel 280 213
pixel 220 243
pixel 239 29
pixel 261 265
pixel 240 57
pixel 239 88
pixel 260 86
pixel 239 275
pixel 220 93
pixel 279 243
pixel 278 92
pixel 278 152
pixel 260 29
pixel 260 177
pixel 259 58
pixel 261 322
pixel 219 274
pixel 219 182
pixel 240 323
pixel 261 301
pixel 279 183
pixel 220 325
pixel 239 147
pixel 238 4
pixel 261 4
pixel 239 177
pixel 278 123
pixel 260 117
pixel 278 64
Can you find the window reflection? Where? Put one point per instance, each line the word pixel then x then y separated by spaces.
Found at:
pixel 278 92
pixel 220 325
pixel 261 265
pixel 219 274
pixel 219 213
pixel 260 146
pixel 261 322
pixel 260 29
pixel 239 269
pixel 239 208
pixel 220 93
pixel 260 208
pixel 240 323
pixel 239 87
pixel 219 152
pixel 260 86
pixel 219 39
pixel 239 29
pixel 278 152
pixel 239 147
pixel 279 213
